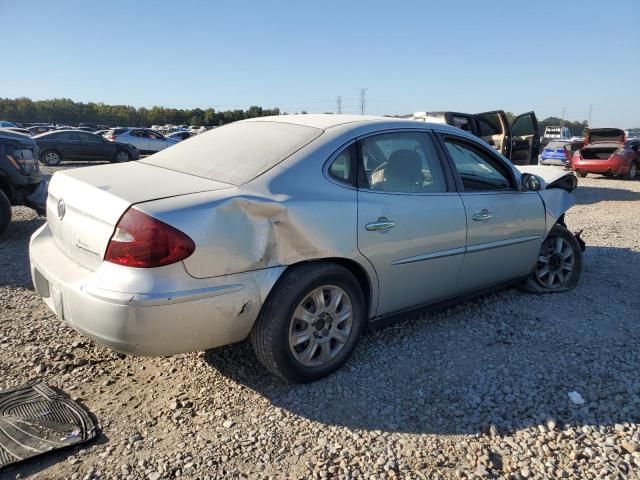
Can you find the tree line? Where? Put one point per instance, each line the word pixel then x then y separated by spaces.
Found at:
pixel 66 111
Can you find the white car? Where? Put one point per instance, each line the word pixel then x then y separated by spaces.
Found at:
pixel 145 140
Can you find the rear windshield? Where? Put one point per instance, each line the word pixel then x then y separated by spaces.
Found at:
pixel 236 153
pixel 556 144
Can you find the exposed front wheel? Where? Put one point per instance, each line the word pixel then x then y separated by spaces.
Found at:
pixel 5 212
pixel 51 158
pixel 310 323
pixel 559 264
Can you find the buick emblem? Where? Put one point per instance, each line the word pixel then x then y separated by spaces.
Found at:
pixel 61 209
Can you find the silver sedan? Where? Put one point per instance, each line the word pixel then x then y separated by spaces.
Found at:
pixel 297 231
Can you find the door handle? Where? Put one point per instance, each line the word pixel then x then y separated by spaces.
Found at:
pixel 380 225
pixel 483 215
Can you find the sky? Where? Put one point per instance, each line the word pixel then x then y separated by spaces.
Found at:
pixel 467 56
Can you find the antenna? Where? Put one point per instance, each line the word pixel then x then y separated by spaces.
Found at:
pixel 590 112
pixel 363 100
pixel 339 104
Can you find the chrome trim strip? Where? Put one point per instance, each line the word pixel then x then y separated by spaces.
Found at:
pixel 501 243
pixel 164 298
pixel 430 256
pixel 471 249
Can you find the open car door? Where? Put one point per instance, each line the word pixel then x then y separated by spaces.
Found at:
pixel 493 128
pixel 525 139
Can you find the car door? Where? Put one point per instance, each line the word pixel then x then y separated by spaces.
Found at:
pixel 140 140
pixel 525 139
pixel 411 222
pixel 93 148
pixel 156 141
pixel 493 127
pixel 505 225
pixel 70 145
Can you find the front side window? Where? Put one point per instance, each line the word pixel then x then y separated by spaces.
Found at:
pixel 401 162
pixel 478 170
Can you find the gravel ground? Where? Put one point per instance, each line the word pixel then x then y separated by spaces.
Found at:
pixel 477 391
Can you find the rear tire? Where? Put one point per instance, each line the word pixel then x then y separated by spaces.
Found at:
pixel 310 323
pixel 583 174
pixel 51 158
pixel 5 212
pixel 122 156
pixel 559 264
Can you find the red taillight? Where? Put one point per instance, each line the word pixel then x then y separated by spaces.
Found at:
pixel 142 241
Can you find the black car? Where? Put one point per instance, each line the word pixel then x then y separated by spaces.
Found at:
pixel 78 145
pixel 21 182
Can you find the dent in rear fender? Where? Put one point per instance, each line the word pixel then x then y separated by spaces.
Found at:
pixel 242 233
pixel 556 202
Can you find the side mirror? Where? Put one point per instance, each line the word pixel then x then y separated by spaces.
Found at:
pixel 530 182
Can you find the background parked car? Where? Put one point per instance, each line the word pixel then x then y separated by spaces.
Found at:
pixel 519 140
pixel 23 131
pixel 605 151
pixel 5 124
pixel 78 145
pixel 20 176
pixel 556 153
pixel 38 129
pixel 182 135
pixel 147 141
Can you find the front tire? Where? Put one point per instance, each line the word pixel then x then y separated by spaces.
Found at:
pixel 51 158
pixel 559 264
pixel 5 212
pixel 583 174
pixel 310 323
pixel 633 171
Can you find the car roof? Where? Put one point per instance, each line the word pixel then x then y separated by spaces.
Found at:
pixel 11 135
pixel 321 120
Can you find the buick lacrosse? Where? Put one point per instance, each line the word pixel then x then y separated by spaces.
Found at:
pixel 297 231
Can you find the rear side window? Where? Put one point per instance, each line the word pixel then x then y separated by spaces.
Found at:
pixel 401 162
pixel 478 170
pixel 341 168
pixel 238 152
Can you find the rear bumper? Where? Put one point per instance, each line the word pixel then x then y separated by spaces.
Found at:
pixel 599 166
pixel 169 313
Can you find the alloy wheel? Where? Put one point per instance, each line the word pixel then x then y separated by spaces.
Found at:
pixel 555 263
pixel 320 326
pixel 122 156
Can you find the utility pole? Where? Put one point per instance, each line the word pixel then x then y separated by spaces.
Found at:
pixel 339 104
pixel 363 100
pixel 564 110
pixel 590 112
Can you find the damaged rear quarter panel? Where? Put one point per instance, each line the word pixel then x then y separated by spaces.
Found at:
pixel 286 216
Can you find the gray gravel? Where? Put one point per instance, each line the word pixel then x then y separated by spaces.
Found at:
pixel 480 390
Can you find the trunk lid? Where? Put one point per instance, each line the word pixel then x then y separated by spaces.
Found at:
pixel 604 135
pixel 85 204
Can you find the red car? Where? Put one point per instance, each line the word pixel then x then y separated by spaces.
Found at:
pixel 606 152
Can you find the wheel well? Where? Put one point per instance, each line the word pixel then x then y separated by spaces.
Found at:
pixel 356 269
pixel 6 188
